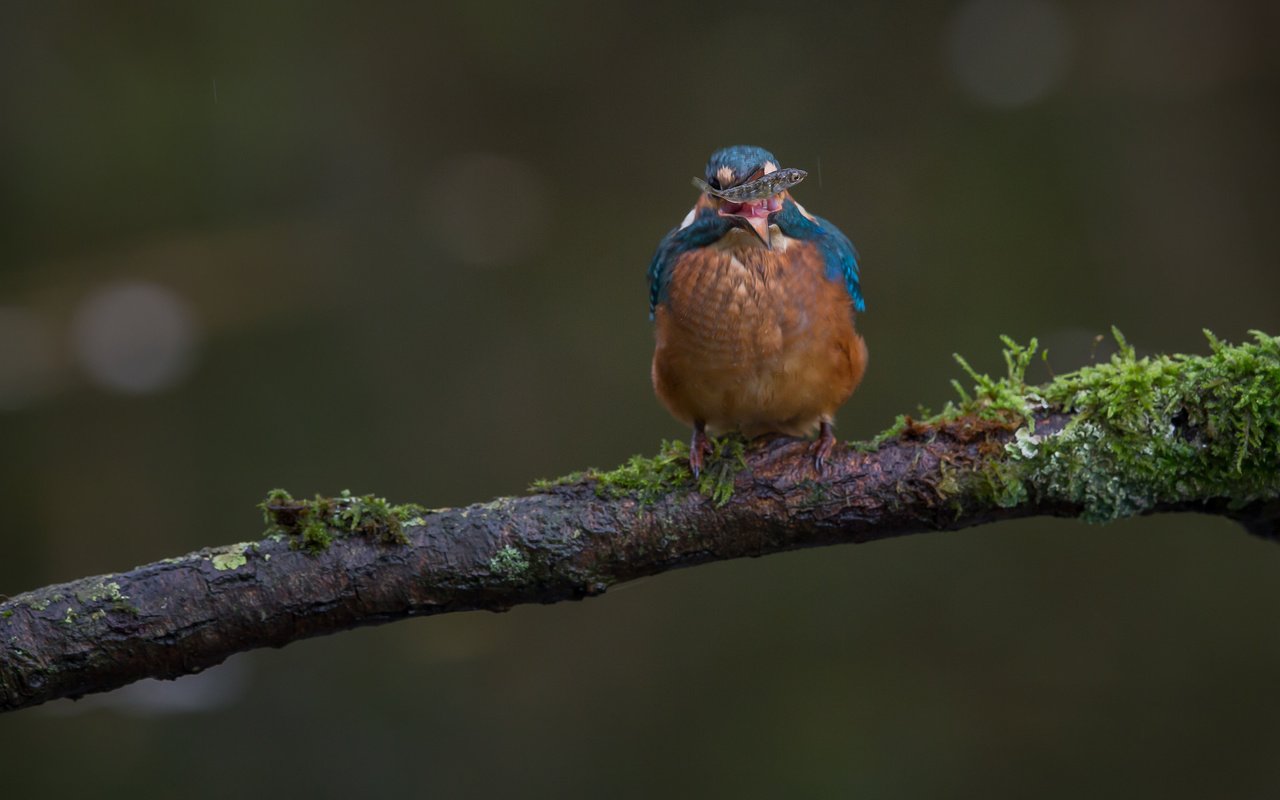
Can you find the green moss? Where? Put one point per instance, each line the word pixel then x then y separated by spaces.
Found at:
pixel 8 612
pixel 275 499
pixel 728 458
pixel 900 424
pixel 315 536
pixel 509 563
pixel 1143 431
pixel 411 513
pixel 1007 400
pixel 547 484
pixel 648 478
pixel 1166 428
pixel 314 523
pixel 1003 398
pixel 651 478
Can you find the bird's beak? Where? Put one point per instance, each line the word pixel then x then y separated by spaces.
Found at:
pixel 756 214
pixel 761 226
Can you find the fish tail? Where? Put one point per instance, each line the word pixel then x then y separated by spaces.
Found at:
pixel 706 187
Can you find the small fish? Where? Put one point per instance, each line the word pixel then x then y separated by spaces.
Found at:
pixel 767 186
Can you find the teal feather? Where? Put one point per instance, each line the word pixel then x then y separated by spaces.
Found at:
pixel 838 253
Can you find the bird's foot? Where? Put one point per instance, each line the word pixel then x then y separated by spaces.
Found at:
pixel 823 446
pixel 699 448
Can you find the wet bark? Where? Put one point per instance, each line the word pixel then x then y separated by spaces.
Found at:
pixel 182 615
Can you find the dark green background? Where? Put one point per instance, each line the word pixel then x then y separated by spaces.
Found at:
pixel 304 214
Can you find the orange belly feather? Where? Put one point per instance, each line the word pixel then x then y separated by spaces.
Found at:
pixel 756 340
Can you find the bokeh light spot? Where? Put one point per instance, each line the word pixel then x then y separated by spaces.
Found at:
pixel 134 337
pixel 1009 52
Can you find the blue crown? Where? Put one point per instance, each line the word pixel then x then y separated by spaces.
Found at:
pixel 742 160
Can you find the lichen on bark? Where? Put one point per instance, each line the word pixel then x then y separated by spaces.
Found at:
pixel 1141 431
pixel 1129 436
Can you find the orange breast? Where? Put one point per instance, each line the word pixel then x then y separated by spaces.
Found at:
pixel 755 340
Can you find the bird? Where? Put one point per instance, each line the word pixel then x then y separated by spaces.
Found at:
pixel 753 303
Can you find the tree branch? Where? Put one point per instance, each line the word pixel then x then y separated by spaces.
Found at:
pixel 1135 436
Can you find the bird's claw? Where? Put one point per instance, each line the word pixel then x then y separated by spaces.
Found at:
pixel 699 449
pixel 823 446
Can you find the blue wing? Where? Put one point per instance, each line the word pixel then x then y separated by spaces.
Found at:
pixel 705 229
pixel 838 253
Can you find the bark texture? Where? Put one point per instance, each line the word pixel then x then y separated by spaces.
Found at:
pixel 182 615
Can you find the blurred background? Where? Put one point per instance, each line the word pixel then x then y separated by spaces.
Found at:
pixel 400 248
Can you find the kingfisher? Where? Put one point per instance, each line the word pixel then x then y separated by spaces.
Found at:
pixel 753 300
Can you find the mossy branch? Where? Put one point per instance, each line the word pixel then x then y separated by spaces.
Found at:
pixel 1132 436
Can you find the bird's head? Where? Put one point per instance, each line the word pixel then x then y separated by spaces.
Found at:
pixel 732 166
